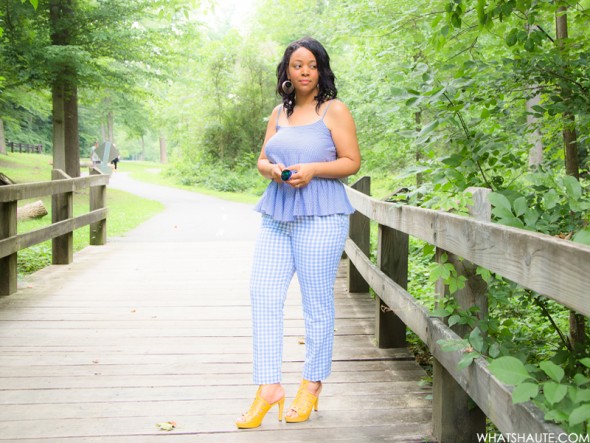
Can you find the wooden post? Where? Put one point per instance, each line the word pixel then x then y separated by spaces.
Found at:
pixel 98 230
pixel 455 417
pixel 62 247
pixel 360 233
pixel 8 271
pixel 392 259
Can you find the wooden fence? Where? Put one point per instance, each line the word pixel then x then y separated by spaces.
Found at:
pixel 24 147
pixel 555 268
pixel 61 188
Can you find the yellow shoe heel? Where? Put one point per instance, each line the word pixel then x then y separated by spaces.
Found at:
pixel 253 418
pixel 281 407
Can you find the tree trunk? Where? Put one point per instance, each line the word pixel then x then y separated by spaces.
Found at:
pixel 418 120
pixel 577 321
pixel 569 119
pixel 110 124
pixel 142 148
pixel 66 143
pixel 571 145
pixel 536 150
pixel 72 136
pixel 163 152
pixel 59 149
pixel 2 139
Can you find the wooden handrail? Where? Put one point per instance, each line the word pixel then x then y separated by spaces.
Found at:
pixel 41 189
pixel 61 188
pixel 556 268
pixel 14 244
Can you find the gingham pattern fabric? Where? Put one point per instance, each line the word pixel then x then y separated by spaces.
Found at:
pixel 292 145
pixel 312 247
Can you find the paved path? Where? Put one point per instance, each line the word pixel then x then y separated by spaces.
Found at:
pixel 155 327
pixel 190 216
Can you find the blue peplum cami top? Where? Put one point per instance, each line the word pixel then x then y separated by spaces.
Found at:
pixel 321 196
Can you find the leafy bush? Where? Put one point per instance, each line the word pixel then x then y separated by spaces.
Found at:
pixel 34 258
pixel 565 398
pixel 547 203
pixel 243 177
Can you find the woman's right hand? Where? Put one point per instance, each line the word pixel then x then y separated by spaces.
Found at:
pixel 275 172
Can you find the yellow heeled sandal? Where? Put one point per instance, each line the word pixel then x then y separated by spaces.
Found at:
pixel 304 402
pixel 253 418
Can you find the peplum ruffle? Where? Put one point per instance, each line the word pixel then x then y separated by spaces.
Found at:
pixel 322 196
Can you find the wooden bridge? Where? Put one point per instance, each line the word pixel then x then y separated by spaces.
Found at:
pixel 154 328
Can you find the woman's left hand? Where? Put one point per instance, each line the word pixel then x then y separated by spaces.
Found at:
pixel 304 174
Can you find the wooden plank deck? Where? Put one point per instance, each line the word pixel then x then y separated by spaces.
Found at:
pixel 143 331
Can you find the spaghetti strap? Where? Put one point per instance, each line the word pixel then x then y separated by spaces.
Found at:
pixel 326 110
pixel 279 114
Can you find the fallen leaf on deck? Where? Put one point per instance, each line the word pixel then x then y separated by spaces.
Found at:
pixel 166 426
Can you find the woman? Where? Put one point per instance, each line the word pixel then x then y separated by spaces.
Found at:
pixel 310 144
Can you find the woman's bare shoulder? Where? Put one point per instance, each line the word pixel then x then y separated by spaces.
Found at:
pixel 338 107
pixel 337 110
pixel 276 110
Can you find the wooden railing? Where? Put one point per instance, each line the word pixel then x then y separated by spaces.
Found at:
pixel 61 188
pixel 555 268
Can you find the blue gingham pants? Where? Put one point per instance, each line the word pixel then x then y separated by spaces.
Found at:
pixel 311 246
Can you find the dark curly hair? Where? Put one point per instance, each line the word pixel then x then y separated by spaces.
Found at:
pixel 327 88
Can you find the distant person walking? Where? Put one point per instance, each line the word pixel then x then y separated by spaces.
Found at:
pixel 115 161
pixel 310 144
pixel 94 155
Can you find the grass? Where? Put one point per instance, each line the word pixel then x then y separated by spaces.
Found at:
pixel 126 211
pixel 154 173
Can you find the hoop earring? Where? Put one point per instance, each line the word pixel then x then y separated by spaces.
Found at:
pixel 287 87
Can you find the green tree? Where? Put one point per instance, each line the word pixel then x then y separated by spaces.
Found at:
pixel 74 46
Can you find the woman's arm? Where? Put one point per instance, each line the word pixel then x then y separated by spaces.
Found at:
pixel 265 167
pixel 339 121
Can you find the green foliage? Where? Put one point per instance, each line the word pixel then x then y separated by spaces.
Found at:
pixel 219 177
pixel 565 398
pixel 470 99
pixel 115 50
pixel 554 379
pixel 548 203
pixel 34 258
pixel 448 273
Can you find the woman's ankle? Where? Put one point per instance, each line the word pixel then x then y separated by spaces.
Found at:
pixel 272 392
pixel 314 386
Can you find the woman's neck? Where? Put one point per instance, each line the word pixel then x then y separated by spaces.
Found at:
pixel 306 100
